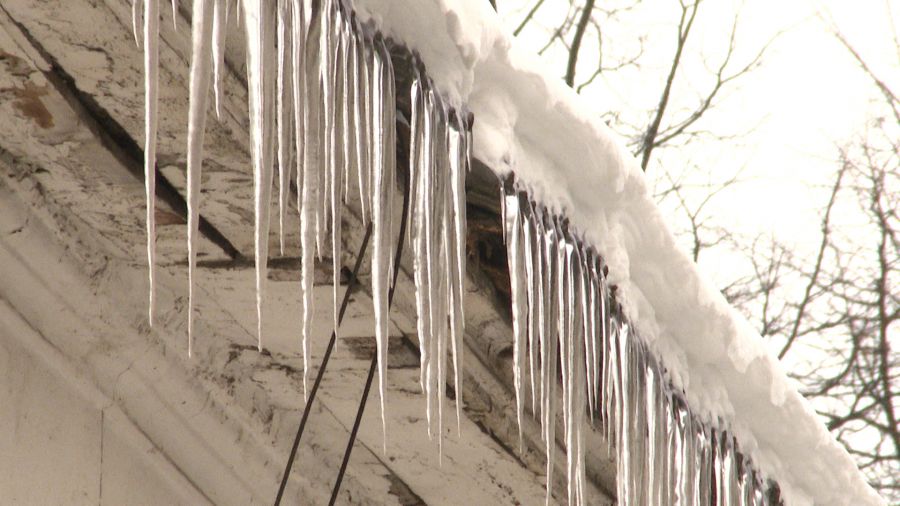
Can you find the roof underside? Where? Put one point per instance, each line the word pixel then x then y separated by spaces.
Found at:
pixel 70 171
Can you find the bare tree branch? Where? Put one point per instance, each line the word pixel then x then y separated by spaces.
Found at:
pixel 688 14
pixel 814 277
pixel 528 17
pixel 890 97
pixel 575 47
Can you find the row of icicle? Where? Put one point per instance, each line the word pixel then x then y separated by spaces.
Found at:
pixel 322 108
pixel 565 315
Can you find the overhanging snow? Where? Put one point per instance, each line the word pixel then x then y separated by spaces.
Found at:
pixel 528 122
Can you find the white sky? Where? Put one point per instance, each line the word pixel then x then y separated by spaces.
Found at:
pixel 806 99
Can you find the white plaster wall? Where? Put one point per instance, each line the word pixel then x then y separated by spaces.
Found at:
pixel 50 437
pixel 61 445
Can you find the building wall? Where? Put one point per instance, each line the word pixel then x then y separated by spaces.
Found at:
pixel 61 444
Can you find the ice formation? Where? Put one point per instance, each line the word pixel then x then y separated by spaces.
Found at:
pixel 440 156
pixel 151 101
pixel 201 69
pixel 322 103
pixel 563 306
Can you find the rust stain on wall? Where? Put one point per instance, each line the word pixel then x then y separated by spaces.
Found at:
pixel 28 97
pixel 28 102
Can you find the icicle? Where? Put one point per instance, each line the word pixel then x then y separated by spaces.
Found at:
pixel 326 122
pixel 540 273
pixel 653 455
pixel 428 208
pixel 362 113
pixel 445 277
pixel 175 16
pixel 262 60
pixel 220 22
pixel 549 348
pixel 575 389
pixel 439 267
pixel 686 461
pixel 457 244
pixel 346 69
pixel 578 400
pixel 390 120
pixel 729 471
pixel 200 76
pixel 515 252
pixel 623 434
pixel 586 323
pixel 151 104
pixel 298 46
pixel 599 337
pixel 672 448
pixel 563 320
pixel 311 167
pixel 137 22
pixel 533 294
pixel 381 218
pixel 704 482
pixel 336 166
pixel 595 365
pixel 284 94
pixel 638 377
pixel 718 467
pixel 668 443
pixel 417 170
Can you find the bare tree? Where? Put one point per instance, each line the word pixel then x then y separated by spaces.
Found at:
pixel 573 32
pixel 848 312
pixel 835 314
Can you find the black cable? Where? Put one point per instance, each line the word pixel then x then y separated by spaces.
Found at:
pixel 365 395
pixel 321 372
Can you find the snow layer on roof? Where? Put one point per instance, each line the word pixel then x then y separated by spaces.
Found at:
pixel 529 122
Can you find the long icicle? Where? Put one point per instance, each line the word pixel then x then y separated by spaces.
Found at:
pixel 441 269
pixel 311 167
pixel 347 97
pixel 533 294
pixel 298 45
pixel 417 167
pixel 151 106
pixel 549 349
pixel 326 117
pixel 458 168
pixel 515 253
pixel 259 20
pixel 199 93
pixel 363 116
pixel 433 224
pixel 285 114
pixel 381 218
pixel 336 160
